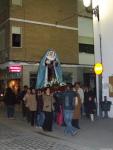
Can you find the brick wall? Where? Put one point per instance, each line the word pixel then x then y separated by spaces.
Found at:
pixel 38 38
pixel 4 10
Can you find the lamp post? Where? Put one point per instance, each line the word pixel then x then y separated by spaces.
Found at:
pixel 94 10
pixel 98 68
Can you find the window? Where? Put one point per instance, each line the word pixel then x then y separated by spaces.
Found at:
pixel 33 78
pixel 67 77
pixel 17 2
pixel 16 37
pixel 86 48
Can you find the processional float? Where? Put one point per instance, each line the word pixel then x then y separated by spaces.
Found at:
pixel 49 71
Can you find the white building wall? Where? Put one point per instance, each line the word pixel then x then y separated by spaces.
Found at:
pixel 87 59
pixel 85 35
pixel 27 69
pixel 85 27
pixel 104 27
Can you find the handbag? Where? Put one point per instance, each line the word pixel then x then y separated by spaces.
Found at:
pixel 59 118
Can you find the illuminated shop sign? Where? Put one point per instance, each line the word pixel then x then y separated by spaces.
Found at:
pixel 15 68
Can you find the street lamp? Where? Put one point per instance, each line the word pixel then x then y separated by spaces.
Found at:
pixel 87 3
pixel 98 68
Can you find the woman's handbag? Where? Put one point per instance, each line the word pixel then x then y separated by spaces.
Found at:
pixel 59 118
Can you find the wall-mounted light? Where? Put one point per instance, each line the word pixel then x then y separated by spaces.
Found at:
pixel 94 11
pixel 87 3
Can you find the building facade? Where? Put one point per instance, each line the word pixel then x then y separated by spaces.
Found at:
pixel 29 27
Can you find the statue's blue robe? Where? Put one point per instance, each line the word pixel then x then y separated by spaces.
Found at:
pixel 40 83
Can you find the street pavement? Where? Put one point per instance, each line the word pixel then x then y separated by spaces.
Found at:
pixel 19 135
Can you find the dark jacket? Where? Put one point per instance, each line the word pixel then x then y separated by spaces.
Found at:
pixel 40 103
pixel 105 105
pixel 10 97
pixel 68 99
pixel 91 105
pixel 58 103
pixel 21 95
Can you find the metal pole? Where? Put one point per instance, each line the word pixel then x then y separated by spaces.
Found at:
pixel 97 94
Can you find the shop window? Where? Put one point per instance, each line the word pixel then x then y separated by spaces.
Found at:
pixel 17 2
pixel 33 78
pixel 14 84
pixel 67 77
pixel 16 37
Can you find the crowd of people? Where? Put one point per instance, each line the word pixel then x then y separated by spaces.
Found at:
pixel 43 107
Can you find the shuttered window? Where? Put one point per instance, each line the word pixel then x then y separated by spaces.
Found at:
pixel 86 48
pixel 17 2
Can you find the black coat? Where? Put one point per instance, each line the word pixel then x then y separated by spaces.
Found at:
pixel 40 103
pixel 91 107
pixel 10 97
pixel 91 103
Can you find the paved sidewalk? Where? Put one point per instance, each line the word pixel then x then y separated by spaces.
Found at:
pixel 18 135
pixel 96 135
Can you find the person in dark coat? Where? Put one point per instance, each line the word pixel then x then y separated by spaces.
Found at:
pixel 10 101
pixel 91 105
pixel 21 96
pixel 105 107
pixel 40 114
pixel 86 99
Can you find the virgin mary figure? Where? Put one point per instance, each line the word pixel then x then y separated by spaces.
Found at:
pixel 49 70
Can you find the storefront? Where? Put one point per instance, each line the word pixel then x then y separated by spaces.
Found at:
pixel 17 75
pixel 11 76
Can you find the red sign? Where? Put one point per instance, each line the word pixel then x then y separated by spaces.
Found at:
pixel 15 68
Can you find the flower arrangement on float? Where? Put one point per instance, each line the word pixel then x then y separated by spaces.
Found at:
pixel 55 83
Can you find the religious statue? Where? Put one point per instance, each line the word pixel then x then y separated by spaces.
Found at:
pixel 49 71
